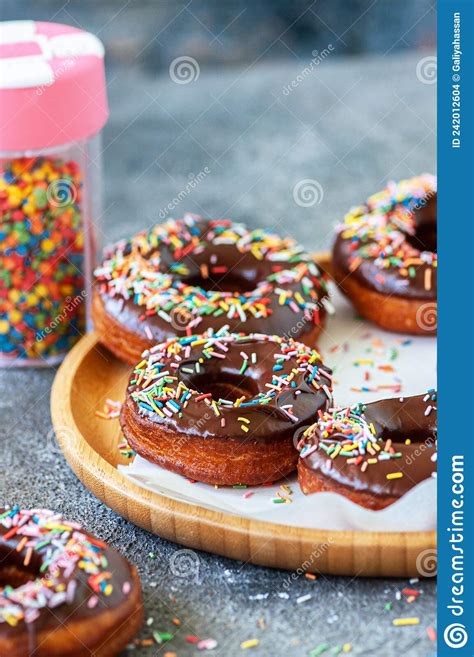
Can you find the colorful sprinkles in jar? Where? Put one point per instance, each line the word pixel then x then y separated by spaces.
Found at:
pixel 53 105
pixel 41 258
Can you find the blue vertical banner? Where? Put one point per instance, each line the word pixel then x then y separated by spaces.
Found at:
pixel 455 327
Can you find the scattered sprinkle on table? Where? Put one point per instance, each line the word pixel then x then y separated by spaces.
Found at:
pixel 431 632
pixel 303 598
pixel 192 638
pixel 401 622
pixel 162 636
pixel 207 644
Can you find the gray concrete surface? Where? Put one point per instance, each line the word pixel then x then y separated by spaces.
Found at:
pixel 350 125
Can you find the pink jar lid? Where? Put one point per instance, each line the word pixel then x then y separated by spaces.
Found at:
pixel 52 85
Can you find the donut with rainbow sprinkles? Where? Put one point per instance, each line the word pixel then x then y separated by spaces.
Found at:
pixel 222 407
pixel 62 591
pixel 385 256
pixel 371 453
pixel 188 275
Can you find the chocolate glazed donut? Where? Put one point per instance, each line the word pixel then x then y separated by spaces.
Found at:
pixel 371 453
pixel 63 593
pixel 384 257
pixel 186 276
pixel 222 408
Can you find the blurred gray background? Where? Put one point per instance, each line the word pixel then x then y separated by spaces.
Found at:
pixel 285 114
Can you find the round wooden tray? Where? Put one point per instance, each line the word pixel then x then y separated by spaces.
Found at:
pixel 89 375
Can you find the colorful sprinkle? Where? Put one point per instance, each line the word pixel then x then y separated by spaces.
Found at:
pixel 402 622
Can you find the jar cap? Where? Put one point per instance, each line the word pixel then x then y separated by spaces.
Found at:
pixel 52 85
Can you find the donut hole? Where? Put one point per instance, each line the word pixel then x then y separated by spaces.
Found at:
pixel 228 385
pixel 13 575
pixel 425 219
pixel 425 239
pixel 412 433
pixel 229 282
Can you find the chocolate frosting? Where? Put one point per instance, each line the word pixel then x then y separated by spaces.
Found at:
pixel 283 321
pixel 213 266
pixel 400 420
pixel 271 413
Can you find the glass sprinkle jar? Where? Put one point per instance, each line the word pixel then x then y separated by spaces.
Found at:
pixel 53 106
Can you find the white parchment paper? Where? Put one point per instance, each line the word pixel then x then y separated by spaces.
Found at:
pixel 368 363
